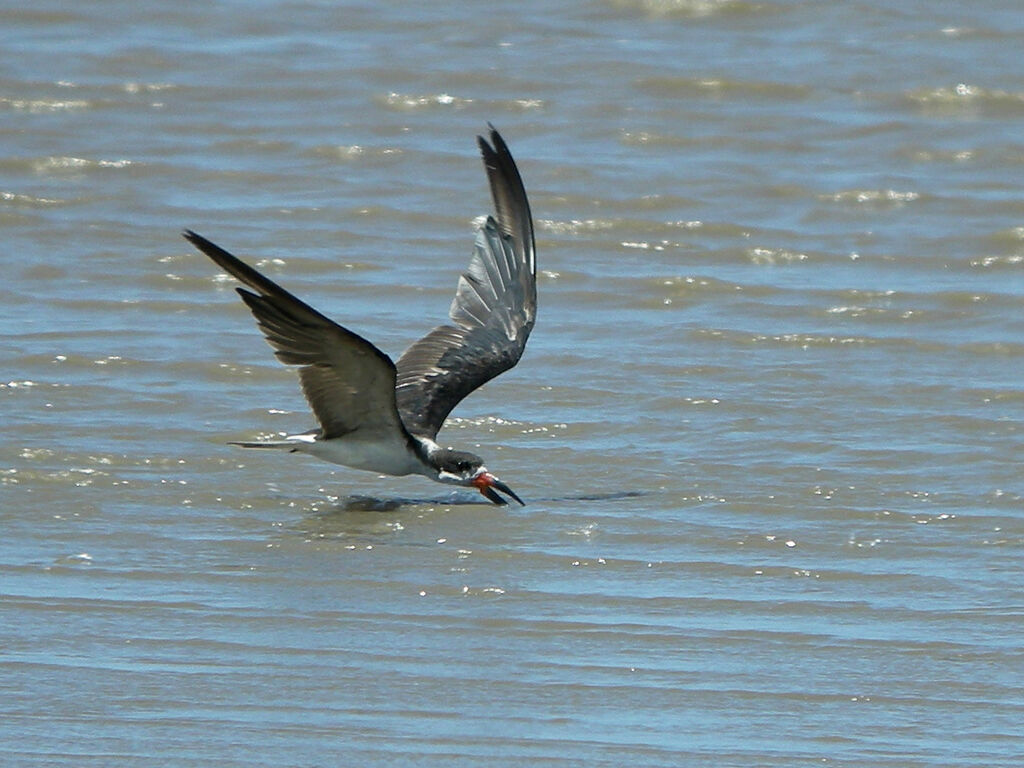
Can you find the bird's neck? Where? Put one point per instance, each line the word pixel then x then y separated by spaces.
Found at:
pixel 426 450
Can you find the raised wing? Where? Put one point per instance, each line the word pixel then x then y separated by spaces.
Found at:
pixel 493 312
pixel 349 383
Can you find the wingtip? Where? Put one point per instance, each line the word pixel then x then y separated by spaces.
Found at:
pixel 197 240
pixel 495 144
pixel 498 142
pixel 486 150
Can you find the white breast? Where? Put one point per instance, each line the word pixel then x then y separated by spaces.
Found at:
pixel 386 458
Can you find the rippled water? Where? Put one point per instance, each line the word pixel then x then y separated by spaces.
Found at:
pixel 768 425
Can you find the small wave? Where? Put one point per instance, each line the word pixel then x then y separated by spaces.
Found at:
pixel 673 85
pixel 37 106
pixel 412 102
pixel 409 102
pixel 996 262
pixel 690 8
pixel 129 86
pixel 54 164
pixel 684 291
pixel 815 340
pixel 134 87
pixel 1009 244
pixel 27 200
pixel 803 340
pixel 762 256
pixel 355 152
pixel 877 197
pixel 942 155
pixel 652 138
pixel 964 97
pixel 574 226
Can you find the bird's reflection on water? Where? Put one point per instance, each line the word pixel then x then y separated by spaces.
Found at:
pixel 371 518
pixel 374 504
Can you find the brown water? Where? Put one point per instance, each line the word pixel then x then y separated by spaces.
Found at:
pixel 768 425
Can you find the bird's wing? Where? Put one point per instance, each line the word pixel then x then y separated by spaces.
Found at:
pixel 349 383
pixel 493 312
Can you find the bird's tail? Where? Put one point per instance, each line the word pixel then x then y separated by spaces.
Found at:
pixel 289 444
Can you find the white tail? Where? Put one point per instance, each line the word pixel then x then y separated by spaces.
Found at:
pixel 268 444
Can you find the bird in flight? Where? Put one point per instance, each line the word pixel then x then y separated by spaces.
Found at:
pixel 381 416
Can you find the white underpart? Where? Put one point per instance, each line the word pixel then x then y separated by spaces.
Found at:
pixel 358 452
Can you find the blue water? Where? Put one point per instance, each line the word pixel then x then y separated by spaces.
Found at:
pixel 768 425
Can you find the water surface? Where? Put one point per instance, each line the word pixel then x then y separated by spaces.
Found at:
pixel 768 425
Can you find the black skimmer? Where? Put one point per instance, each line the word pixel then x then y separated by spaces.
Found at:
pixel 382 416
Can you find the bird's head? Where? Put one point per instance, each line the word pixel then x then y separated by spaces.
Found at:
pixel 463 468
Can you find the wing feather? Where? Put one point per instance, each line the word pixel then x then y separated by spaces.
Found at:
pixel 493 312
pixel 348 382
